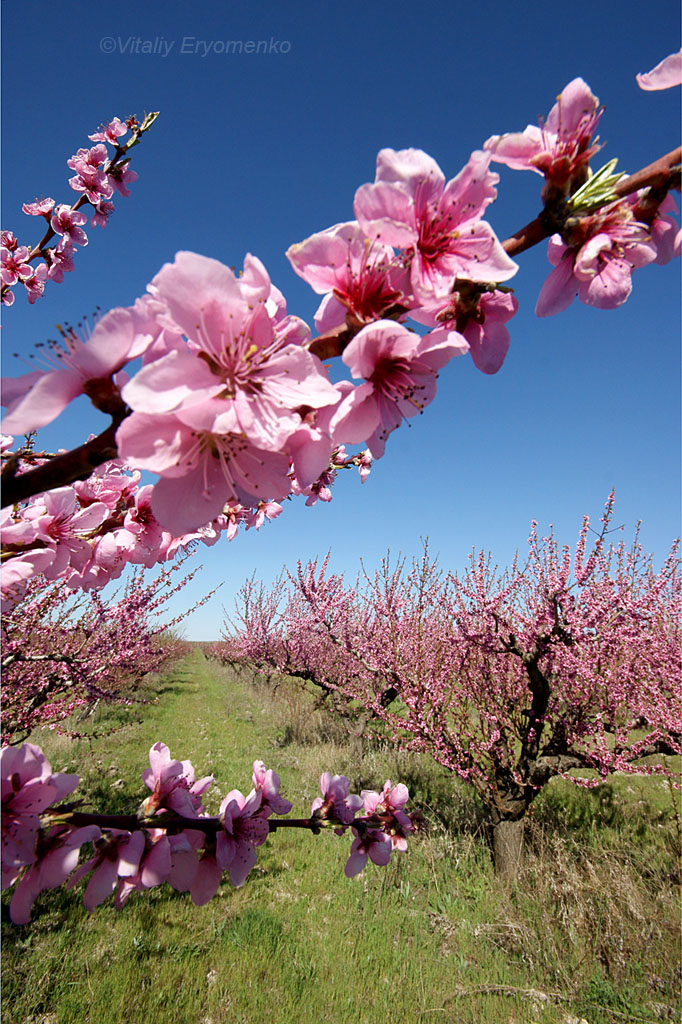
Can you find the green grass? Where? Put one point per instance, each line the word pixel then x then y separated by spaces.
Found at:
pixel 589 931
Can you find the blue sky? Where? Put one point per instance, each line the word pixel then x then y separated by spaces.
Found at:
pixel 255 151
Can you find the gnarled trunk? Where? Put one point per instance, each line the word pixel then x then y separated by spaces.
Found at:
pixel 508 847
pixel 507 816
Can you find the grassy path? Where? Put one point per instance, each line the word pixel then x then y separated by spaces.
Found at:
pixel 432 937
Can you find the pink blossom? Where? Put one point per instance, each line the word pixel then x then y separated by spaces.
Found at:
pixel 265 510
pixel 400 368
pixel 205 879
pixel 200 470
pixel 597 266
pixel 28 787
pixel 365 465
pixel 88 161
pixel 154 868
pixel 100 217
pixel 664 76
pixel 39 397
pixel 67 221
pixel 478 317
pixel 141 536
pixel 388 806
pixel 665 231
pixel 311 476
pixel 106 563
pixel 39 208
pixel 172 784
pixel 373 844
pixel 110 132
pixel 244 828
pixel 336 803
pixel 63 526
pixel 310 448
pixel 60 260
pixel 15 265
pixel 57 856
pixel 393 798
pixel 360 277
pixel 183 859
pixel 35 286
pixel 267 783
pixel 437 225
pixel 562 146
pixel 234 515
pixel 17 530
pixel 109 484
pixel 17 571
pixel 234 363
pixel 91 178
pixel 117 855
pixel 122 176
pixel 226 400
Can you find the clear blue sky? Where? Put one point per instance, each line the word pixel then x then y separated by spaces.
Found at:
pixel 253 152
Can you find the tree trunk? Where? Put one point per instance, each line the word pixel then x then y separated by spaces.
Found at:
pixel 508 847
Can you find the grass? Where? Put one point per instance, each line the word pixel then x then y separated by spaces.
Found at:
pixel 589 931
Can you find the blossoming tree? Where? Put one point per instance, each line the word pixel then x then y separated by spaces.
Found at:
pixel 507 679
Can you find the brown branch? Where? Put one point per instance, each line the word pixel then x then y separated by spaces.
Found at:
pixel 663 173
pixel 547 766
pixel 66 659
pixel 111 167
pixel 535 231
pixel 670 747
pixel 172 822
pixel 65 469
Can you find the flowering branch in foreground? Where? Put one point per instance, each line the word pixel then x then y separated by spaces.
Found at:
pixel 231 388
pixel 170 838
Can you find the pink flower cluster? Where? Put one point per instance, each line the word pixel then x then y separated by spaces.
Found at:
pixel 418 245
pixel 595 252
pixel 84 534
pixel 595 259
pixel 97 176
pixel 87 533
pixel 171 839
pixel 229 408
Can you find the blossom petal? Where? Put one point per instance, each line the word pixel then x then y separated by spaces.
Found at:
pixel 47 398
pixel 664 76
pixel 559 290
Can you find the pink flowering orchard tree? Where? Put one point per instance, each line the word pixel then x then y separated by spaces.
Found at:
pixel 507 679
pixel 211 384
pixel 61 658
